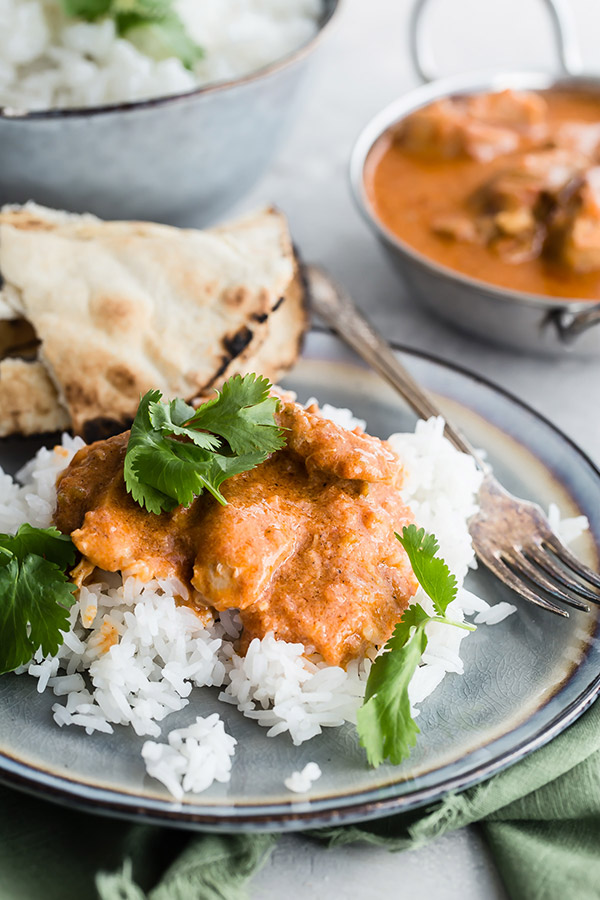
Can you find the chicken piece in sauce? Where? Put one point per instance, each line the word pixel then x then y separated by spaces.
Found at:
pixel 482 127
pixel 111 530
pixel 574 232
pixel 305 546
pixel 544 202
pixel 579 137
pixel 514 213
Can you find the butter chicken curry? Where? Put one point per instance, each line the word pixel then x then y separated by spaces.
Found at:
pixel 304 548
pixel 503 187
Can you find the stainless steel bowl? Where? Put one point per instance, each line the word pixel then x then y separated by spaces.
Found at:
pixel 181 159
pixel 529 322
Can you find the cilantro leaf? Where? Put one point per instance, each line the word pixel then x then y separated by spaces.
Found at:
pixel 153 26
pixel 140 10
pixel 385 725
pixel 35 593
pixel 144 443
pixel 144 9
pixel 161 38
pixel 162 474
pixel 47 542
pixel 171 418
pixel 86 9
pixel 242 413
pixel 175 452
pixel 430 570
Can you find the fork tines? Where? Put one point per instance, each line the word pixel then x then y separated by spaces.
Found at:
pixel 548 565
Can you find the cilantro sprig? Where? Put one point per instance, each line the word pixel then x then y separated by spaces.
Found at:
pixel 35 593
pixel 385 725
pixel 152 25
pixel 175 452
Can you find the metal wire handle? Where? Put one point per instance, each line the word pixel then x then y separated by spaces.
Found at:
pixel 565 35
pixel 571 325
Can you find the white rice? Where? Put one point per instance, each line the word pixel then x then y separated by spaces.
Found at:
pixel 193 758
pixel 301 782
pixel 276 685
pixel 48 60
pixel 133 655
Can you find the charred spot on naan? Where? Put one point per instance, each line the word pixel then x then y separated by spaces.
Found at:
pixel 241 298
pixel 279 347
pixel 28 221
pixel 236 343
pixel 121 378
pixel 288 324
pixel 115 313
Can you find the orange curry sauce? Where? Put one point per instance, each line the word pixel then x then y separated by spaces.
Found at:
pixel 304 548
pixel 409 191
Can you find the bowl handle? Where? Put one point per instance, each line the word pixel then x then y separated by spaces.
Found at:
pixel 564 33
pixel 570 325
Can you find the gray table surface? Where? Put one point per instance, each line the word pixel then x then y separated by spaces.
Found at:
pixel 362 66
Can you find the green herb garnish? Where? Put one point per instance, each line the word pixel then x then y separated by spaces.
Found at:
pixel 153 26
pixel 385 726
pixel 35 593
pixel 176 452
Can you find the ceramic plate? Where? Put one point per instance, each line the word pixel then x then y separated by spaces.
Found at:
pixel 525 679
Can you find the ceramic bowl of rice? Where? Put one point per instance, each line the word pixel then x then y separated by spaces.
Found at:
pixel 93 119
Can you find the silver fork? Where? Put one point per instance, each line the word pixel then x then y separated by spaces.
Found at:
pixel 512 537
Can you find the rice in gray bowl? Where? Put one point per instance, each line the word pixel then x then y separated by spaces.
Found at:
pixel 48 60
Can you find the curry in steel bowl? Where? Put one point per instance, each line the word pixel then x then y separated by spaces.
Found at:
pixel 503 187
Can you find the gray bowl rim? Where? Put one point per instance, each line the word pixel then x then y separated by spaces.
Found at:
pixel 75 112
pixel 394 112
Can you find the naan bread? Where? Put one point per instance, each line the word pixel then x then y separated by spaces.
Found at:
pixel 282 342
pixel 28 399
pixel 121 307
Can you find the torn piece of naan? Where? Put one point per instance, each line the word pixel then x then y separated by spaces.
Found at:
pixel 28 399
pixel 122 307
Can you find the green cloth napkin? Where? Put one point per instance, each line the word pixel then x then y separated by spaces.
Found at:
pixel 541 818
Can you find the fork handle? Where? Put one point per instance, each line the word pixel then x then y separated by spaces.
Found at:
pixel 330 301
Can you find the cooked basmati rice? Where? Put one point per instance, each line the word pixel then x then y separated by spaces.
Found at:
pixel 276 685
pixel 48 60
pixel 133 655
pixel 193 758
pixel 301 782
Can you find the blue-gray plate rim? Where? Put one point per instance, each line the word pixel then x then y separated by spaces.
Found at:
pixel 526 679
